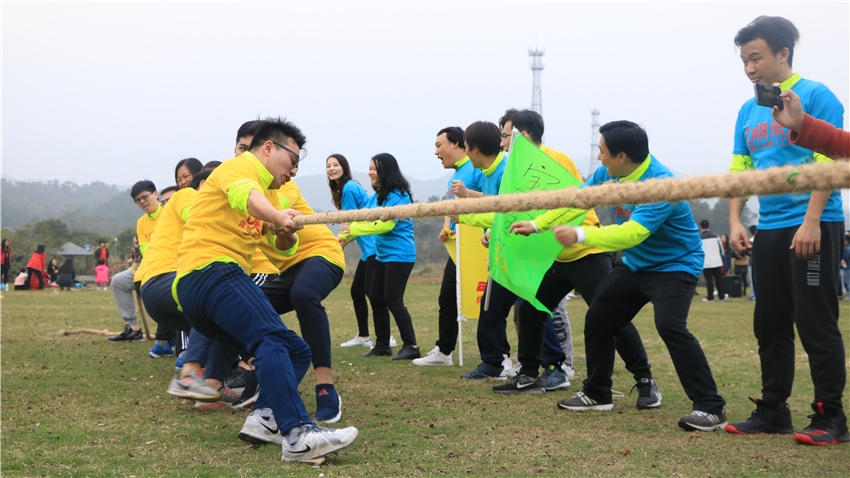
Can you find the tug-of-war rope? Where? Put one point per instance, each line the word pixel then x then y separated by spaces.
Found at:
pixel 764 182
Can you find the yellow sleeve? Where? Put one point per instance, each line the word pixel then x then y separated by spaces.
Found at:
pixel 741 162
pixel 371 228
pixel 483 220
pixel 556 217
pixel 237 194
pixel 184 215
pixel 819 158
pixel 615 237
pixel 270 239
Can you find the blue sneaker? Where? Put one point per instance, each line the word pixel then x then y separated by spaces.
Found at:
pixel 328 404
pixel 553 378
pixel 485 371
pixel 178 365
pixel 158 351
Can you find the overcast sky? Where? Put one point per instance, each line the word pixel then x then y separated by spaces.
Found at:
pixel 121 92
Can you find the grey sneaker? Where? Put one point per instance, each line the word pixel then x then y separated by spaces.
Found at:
pixel 193 387
pixel 702 421
pixel 648 394
pixel 309 442
pixel 485 371
pixel 260 428
pixel 553 378
pixel 582 403
pixel 520 384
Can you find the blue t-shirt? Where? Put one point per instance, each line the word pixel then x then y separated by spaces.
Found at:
pixel 396 245
pixel 471 177
pixel 490 183
pixel 758 135
pixel 674 244
pixel 355 197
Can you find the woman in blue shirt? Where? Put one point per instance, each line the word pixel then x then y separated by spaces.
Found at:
pixel 396 254
pixel 349 194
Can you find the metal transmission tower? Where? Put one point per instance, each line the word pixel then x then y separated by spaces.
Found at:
pixel 594 142
pixel 536 65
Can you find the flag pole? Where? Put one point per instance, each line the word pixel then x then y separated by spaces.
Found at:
pixel 459 293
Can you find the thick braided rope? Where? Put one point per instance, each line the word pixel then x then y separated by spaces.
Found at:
pixel 780 180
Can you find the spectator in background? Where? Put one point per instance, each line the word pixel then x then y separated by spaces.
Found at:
pixel 741 265
pixel 135 253
pixel 102 252
pixel 809 132
pixel 21 280
pixel 37 269
pixel 67 276
pixel 712 268
pixel 166 194
pixel 101 275
pixel 53 270
pixel 727 254
pixel 5 263
pixel 845 266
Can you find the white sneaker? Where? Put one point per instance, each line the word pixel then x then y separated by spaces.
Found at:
pixel 513 371
pixel 358 341
pixel 569 371
pixel 309 442
pixel 393 343
pixel 259 429
pixel 434 357
pixel 507 365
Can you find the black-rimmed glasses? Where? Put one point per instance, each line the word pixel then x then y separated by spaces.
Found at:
pixel 296 158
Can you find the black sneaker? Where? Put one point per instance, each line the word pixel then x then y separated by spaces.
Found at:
pixel 238 378
pixel 582 403
pixel 702 421
pixel 379 351
pixel 765 418
pixel 520 384
pixel 407 352
pixel 128 335
pixel 648 394
pixel 824 429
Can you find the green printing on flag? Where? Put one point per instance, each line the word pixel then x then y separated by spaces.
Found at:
pixel 518 262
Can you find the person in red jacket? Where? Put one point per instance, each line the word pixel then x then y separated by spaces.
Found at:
pixel 809 132
pixel 37 269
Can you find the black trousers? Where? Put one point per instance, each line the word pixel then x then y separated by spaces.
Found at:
pixel 803 292
pixel 743 271
pixel 584 275
pixel 712 275
pixel 37 275
pixel 448 309
pixel 4 273
pixel 618 299
pixel 389 280
pixel 360 291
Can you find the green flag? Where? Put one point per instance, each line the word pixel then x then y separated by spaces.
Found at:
pixel 518 262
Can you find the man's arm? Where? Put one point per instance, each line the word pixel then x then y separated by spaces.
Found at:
pixel 806 241
pixel 259 207
pixel 737 232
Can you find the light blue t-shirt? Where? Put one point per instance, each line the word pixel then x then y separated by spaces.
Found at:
pixel 674 244
pixel 396 245
pixel 758 135
pixel 355 197
pixel 491 182
pixel 471 177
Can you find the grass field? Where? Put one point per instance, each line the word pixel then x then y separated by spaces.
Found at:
pixel 81 406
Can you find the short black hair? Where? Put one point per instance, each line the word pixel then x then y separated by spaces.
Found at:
pixel 704 224
pixel 277 130
pixel 248 128
pixel 454 134
pixel 212 165
pixel 485 136
pixel 100 261
pixel 777 32
pixel 626 137
pixel 508 116
pixel 201 176
pixel 142 186
pixel 531 122
pixel 168 190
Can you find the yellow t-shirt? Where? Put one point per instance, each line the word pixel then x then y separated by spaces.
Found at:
pixel 219 228
pixel 576 251
pixel 260 264
pixel 313 240
pixel 144 231
pixel 161 255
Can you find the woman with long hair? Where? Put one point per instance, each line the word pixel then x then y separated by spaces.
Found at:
pixel 349 194
pixel 67 276
pixel 53 270
pixel 5 263
pixel 395 256
pixel 184 172
pixel 37 269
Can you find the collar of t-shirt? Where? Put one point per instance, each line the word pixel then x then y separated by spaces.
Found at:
pixel 154 214
pixel 790 82
pixel 495 165
pixel 266 177
pixel 637 173
pixel 462 162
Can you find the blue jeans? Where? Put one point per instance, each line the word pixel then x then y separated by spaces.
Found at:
pixel 224 304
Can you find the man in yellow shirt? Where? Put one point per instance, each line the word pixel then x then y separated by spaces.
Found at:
pixel 235 212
